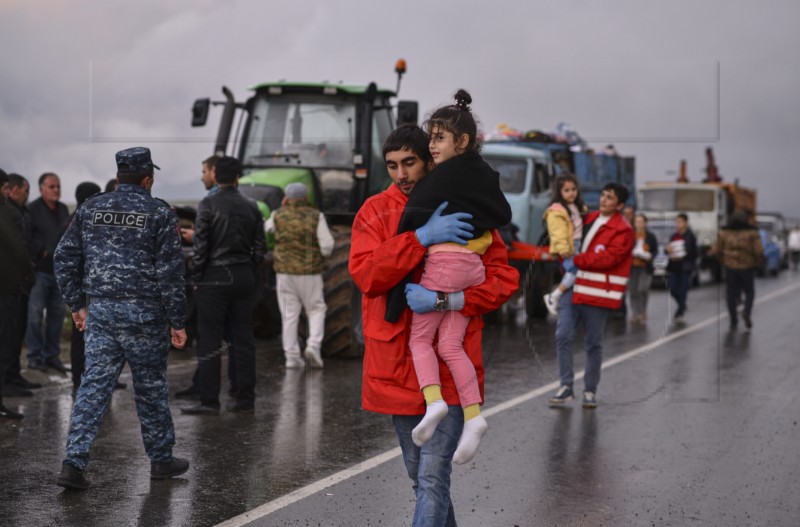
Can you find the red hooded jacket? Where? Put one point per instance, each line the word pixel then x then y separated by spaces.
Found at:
pixel 379 259
pixel 605 265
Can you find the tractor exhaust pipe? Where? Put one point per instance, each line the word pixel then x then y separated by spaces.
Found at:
pixel 225 124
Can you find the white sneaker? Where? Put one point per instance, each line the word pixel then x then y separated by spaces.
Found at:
pixel 551 304
pixel 294 362
pixel 314 358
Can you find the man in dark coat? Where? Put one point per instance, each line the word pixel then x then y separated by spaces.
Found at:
pixel 47 217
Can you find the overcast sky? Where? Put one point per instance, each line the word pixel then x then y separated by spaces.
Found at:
pixel 85 78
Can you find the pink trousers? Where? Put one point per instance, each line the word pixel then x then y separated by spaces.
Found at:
pixel 448 272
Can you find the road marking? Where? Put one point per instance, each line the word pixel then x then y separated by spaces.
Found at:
pixel 369 464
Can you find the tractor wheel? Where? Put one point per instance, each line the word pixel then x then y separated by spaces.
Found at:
pixel 343 331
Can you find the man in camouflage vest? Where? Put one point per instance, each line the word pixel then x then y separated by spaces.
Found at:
pixel 120 269
pixel 302 239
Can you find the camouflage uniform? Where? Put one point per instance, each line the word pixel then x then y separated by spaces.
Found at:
pixel 121 259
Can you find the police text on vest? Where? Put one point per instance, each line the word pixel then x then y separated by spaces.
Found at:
pixel 119 219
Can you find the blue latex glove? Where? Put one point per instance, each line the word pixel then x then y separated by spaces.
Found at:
pixel 419 299
pixel 569 265
pixel 449 228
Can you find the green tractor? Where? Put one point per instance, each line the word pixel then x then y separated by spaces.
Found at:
pixel 328 136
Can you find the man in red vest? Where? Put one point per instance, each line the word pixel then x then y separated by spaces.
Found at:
pixel 602 269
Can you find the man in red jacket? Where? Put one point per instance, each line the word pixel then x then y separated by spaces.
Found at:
pixel 602 269
pixel 379 259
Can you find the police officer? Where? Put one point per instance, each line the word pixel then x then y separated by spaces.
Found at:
pixel 120 269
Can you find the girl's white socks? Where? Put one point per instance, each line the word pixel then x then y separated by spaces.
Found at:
pixel 434 413
pixel 474 430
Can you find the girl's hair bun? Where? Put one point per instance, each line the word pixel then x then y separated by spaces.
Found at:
pixel 463 100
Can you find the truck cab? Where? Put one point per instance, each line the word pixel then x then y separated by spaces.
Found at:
pixel 525 178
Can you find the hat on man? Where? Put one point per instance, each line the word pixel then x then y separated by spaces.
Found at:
pixel 86 190
pixel 227 168
pixel 296 191
pixel 136 159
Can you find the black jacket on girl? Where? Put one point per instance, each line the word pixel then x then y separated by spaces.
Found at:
pixel 468 184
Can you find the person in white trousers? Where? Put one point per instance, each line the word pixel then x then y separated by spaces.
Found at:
pixel 302 240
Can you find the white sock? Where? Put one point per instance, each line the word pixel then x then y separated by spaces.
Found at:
pixel 474 430
pixel 434 413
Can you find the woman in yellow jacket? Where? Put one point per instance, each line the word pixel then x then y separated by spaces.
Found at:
pixel 564 220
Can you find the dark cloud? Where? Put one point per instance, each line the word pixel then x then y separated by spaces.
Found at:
pixel 86 79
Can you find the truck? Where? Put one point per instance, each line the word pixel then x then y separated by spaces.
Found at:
pixel 526 175
pixel 328 136
pixel 708 206
pixel 593 169
pixel 527 165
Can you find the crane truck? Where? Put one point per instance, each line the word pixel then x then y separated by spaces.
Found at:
pixel 707 204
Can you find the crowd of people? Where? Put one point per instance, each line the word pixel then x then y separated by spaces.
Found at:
pixel 426 255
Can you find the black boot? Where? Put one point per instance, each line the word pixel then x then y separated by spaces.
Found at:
pixel 168 469
pixel 72 478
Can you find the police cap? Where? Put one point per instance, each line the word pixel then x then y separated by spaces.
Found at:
pixel 136 159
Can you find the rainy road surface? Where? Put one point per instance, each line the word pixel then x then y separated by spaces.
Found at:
pixel 696 426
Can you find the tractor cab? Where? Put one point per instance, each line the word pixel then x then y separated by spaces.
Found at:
pixel 328 136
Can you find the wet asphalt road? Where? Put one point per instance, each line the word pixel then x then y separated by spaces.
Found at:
pixel 696 426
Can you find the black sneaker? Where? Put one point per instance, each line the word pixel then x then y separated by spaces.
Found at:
pixel 22 382
pixel 168 469
pixel 563 395
pixel 57 365
pixel 72 478
pixel 242 408
pixel 188 393
pixel 5 413
pixel 589 400
pixel 12 390
pixel 36 365
pixel 748 322
pixel 200 409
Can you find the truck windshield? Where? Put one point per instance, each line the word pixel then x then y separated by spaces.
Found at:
pixel 512 173
pixel 671 199
pixel 301 130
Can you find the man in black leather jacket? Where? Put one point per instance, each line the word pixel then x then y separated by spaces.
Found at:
pixel 229 245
